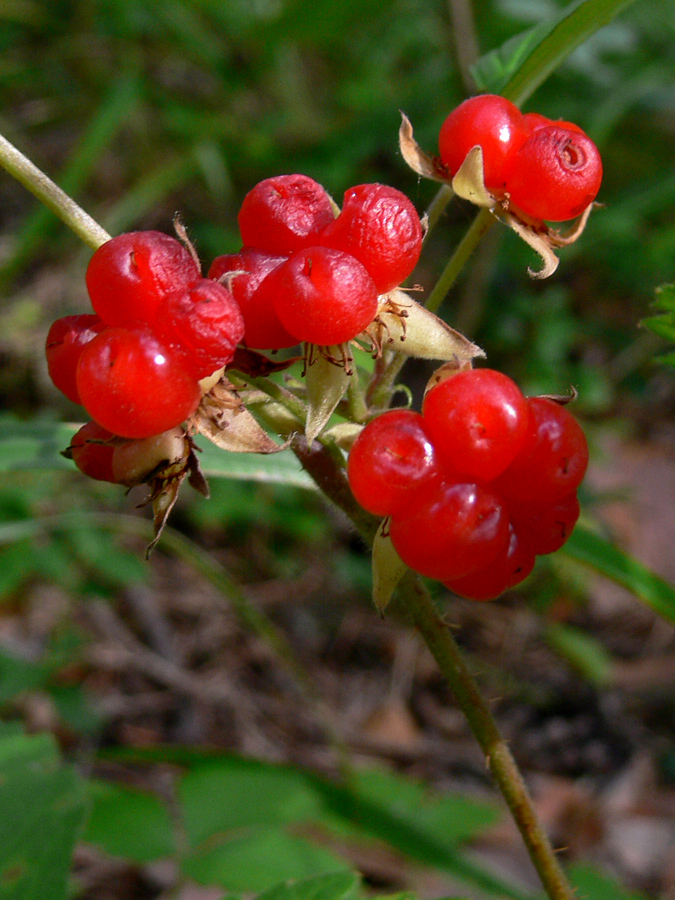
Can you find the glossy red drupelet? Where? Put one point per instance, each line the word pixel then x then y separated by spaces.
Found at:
pixel 555 174
pixel 451 530
pixel 321 296
pixel 380 227
pixel 554 458
pixel 66 339
pixel 92 453
pixel 133 385
pixel 477 420
pixel 284 214
pixel 202 324
pixel 390 461
pixel 129 274
pixel 488 121
pixel 509 568
pixel 262 328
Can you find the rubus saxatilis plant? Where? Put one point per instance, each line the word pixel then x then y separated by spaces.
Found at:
pixel 467 491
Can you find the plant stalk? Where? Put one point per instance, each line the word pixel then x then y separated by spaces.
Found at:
pixel 51 195
pixel 479 227
pixel 499 758
pixel 317 461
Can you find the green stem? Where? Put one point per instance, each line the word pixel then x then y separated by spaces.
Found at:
pixel 437 206
pixel 499 758
pixel 51 195
pixel 317 461
pixel 479 227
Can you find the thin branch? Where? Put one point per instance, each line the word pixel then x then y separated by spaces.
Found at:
pixel 465 40
pixel 51 195
pixel 479 227
pixel 498 756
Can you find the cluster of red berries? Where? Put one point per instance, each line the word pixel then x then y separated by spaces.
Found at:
pixel 548 169
pixel 305 275
pixel 478 485
pixel 158 328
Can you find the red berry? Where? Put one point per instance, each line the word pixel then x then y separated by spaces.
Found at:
pixel 451 530
pixel 545 527
pixel 129 274
pixel 380 227
pixel 491 122
pixel 202 324
pixel 390 460
pixel 91 453
pixel 533 121
pixel 478 421
pixel 321 296
pixel 511 566
pixel 262 328
pixel 284 214
pixel 553 460
pixel 555 175
pixel 65 341
pixel 132 385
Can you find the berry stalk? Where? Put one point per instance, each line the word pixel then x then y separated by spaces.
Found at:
pixel 51 195
pixel 318 462
pixel 498 756
pixel 478 228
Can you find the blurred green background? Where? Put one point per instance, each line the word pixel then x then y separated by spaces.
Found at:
pixel 141 110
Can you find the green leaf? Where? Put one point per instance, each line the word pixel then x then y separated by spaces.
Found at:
pixel 663 325
pixel 273 468
pixel 18 675
pixel 42 805
pixel 591 884
pixel 38 445
pixel 665 297
pixel 587 547
pixel 255 859
pixel 33 445
pixel 17 563
pixel 336 886
pixel 233 793
pixel 517 68
pixel 582 651
pixel 126 822
pixel 424 825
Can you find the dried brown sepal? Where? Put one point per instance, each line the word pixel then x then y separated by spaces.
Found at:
pixel 543 239
pixel 257 365
pixel 403 325
pixel 447 370
pixel 196 478
pixel 536 237
pixel 327 382
pixel 565 238
pixel 225 421
pixel 420 162
pixel 163 500
pixel 388 567
pixel 469 182
pixel 561 399
pixel 182 235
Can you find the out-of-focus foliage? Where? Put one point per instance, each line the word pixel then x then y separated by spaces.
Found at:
pixel 141 109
